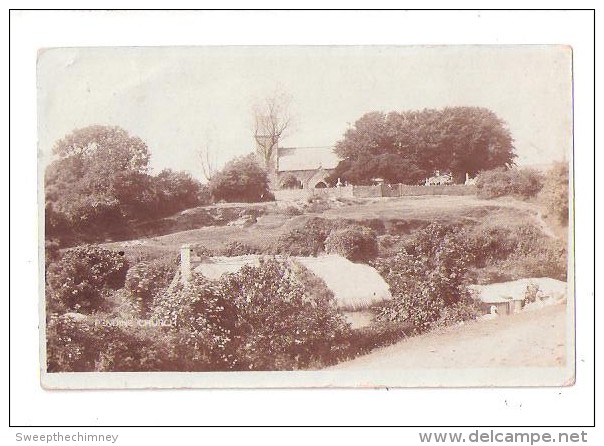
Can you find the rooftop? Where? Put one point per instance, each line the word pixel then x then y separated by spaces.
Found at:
pixel 307 158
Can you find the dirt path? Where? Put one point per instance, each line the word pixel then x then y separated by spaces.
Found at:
pixel 532 338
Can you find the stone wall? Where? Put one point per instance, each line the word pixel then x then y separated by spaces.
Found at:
pixel 384 190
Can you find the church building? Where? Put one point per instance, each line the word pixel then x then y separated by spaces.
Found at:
pixel 310 165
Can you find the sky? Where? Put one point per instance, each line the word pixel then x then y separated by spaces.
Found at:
pixel 181 99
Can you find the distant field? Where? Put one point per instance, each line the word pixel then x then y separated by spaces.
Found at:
pixel 411 212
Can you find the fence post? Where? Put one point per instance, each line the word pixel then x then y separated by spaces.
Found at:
pixel 185 262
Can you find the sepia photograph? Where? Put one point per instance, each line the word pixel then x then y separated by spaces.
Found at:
pixel 306 216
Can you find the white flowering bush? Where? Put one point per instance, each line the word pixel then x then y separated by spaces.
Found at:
pixel 261 318
pixel 80 280
pixel 427 280
pixel 146 279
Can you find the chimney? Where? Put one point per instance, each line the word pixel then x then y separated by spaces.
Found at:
pixel 185 263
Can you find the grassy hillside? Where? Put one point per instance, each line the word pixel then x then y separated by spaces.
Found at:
pixel 395 216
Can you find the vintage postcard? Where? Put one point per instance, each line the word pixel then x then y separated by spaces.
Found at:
pixel 306 216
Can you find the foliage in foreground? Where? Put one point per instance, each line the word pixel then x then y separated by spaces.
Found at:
pixel 261 318
pixel 427 278
pixel 80 280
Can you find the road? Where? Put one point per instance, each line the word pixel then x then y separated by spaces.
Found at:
pixel 531 338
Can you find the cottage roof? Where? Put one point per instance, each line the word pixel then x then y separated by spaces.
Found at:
pixel 307 158
pixel 354 285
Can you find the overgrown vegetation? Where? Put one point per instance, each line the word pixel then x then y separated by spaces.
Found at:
pixel 425 277
pixel 146 279
pixel 261 318
pixel 555 192
pixel 98 187
pixel 80 280
pixel 356 243
pixel 521 183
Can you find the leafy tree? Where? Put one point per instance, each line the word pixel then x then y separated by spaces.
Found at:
pixel 95 164
pixel 99 185
pixel 408 146
pixel 241 179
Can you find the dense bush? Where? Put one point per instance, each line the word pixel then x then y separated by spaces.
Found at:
pixel 555 192
pixel 547 260
pixel 81 278
pixel 203 322
pixel 499 182
pixel 261 318
pixel 76 343
pixel 280 325
pixel 241 180
pixel 356 243
pixel 466 309
pixel 98 186
pixel 515 251
pixel 145 279
pixel 306 241
pixel 425 277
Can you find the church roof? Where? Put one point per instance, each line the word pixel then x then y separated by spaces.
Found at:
pixel 307 158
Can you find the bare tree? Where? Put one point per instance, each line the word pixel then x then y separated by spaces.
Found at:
pixel 271 120
pixel 206 158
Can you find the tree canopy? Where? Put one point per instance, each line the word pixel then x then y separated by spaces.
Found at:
pixel 408 146
pixel 99 183
pixel 242 179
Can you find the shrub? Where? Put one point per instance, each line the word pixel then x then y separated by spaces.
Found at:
pixel 236 248
pixel 292 211
pixel 499 182
pixel 290 181
pixel 425 277
pixel 306 241
pixel 555 192
pixel 548 260
pixel 203 324
pixel 280 325
pixel 261 318
pixel 81 278
pixel 84 344
pixel 356 243
pixel 515 252
pixel 488 244
pixel 464 310
pixel 243 180
pixel 145 279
